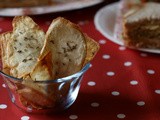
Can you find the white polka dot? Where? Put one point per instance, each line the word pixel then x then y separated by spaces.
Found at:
pixel 3 106
pixel 4 85
pixel 141 103
pixel 143 54
pixel 102 41
pixel 13 99
pixel 127 63
pixel 25 118
pixel 47 22
pixel 110 73
pixel 82 22
pixel 73 117
pixel 90 65
pixel 106 56
pixel 121 116
pixel 133 82
pixel 115 93
pixel 157 91
pixel 29 109
pixel 91 83
pixel 122 48
pixel 150 71
pixel 95 104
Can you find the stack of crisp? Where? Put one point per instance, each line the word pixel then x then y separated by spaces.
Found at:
pixel 30 54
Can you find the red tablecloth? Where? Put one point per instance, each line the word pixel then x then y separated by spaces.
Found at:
pixel 121 84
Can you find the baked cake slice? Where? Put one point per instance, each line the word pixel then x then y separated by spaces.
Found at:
pixel 141 26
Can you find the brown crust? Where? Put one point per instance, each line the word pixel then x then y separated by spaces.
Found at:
pixel 19 19
pixel 4 39
pixel 43 69
pixel 45 50
pixel 32 42
pixel 92 49
pixel 64 39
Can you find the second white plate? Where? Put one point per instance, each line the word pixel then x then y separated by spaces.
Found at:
pixel 105 20
pixel 56 7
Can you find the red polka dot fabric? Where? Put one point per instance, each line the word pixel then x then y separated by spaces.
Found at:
pixel 120 84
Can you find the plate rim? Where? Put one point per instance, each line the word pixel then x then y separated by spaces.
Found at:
pixel 57 7
pixel 98 26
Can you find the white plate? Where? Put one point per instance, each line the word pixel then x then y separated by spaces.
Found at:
pixel 58 6
pixel 105 20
